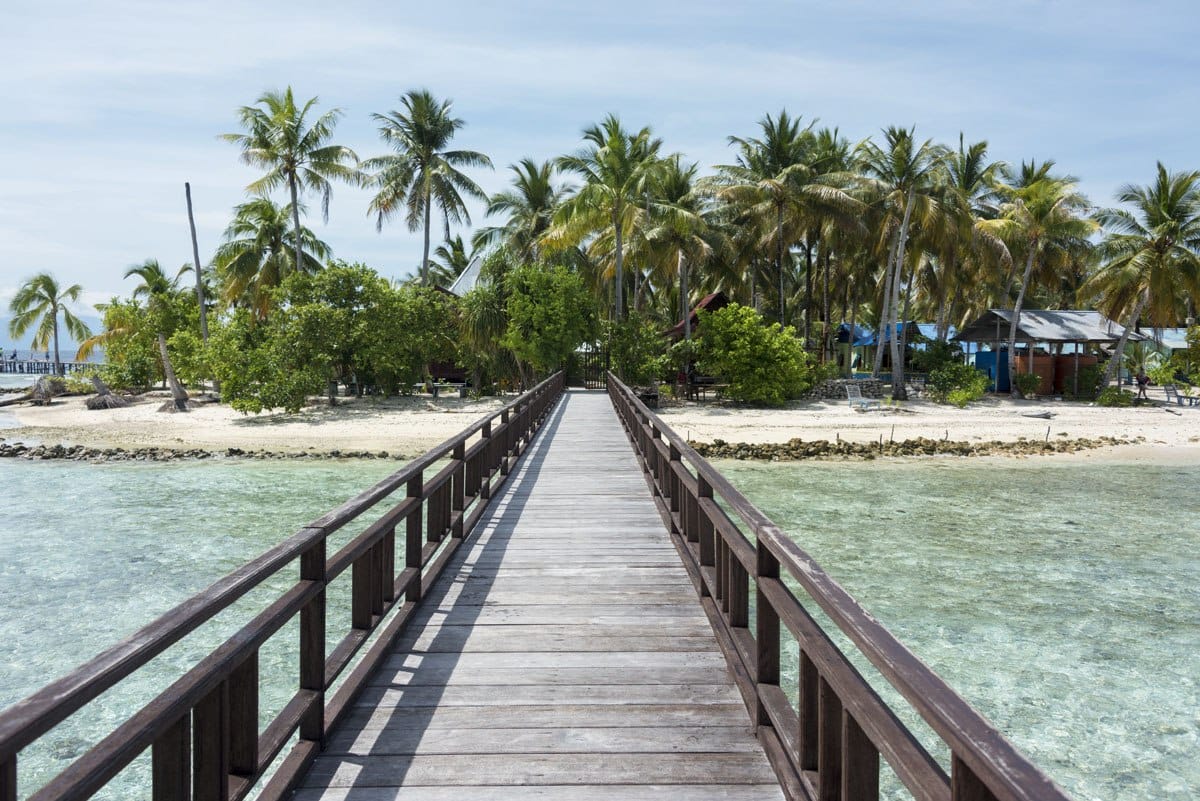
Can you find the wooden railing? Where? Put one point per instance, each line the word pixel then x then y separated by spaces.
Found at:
pixel 827 747
pixel 42 366
pixel 203 730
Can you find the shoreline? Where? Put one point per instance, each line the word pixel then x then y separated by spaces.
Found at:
pixel 399 428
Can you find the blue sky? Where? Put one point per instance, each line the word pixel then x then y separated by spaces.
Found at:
pixel 110 107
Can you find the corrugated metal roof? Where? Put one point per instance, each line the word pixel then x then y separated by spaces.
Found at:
pixel 1040 325
pixel 468 278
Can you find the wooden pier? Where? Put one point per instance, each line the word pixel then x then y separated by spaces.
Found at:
pixel 552 614
pixel 41 366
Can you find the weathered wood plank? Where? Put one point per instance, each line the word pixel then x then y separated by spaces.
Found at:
pixel 539 769
pixel 615 792
pixel 562 655
pixel 397 741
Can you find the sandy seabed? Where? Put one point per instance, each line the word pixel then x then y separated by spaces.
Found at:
pixel 412 425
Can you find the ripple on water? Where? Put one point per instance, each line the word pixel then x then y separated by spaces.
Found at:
pixel 1058 598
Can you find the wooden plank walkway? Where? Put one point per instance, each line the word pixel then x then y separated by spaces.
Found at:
pixel 563 656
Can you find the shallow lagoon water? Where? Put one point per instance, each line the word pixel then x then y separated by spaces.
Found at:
pixel 1059 598
pixel 91 552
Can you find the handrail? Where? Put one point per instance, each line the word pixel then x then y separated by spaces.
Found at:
pixel 829 745
pixel 202 740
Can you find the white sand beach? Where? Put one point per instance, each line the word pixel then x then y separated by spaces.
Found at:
pixel 412 425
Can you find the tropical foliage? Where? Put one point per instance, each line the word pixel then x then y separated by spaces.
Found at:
pixel 614 244
pixel 37 305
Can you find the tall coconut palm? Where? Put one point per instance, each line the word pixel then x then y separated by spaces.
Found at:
pixel 1042 215
pixel 422 172
pixel 1150 251
pixel 529 206
pixel 39 302
pixel 255 256
pixel 159 290
pixel 616 167
pixel 296 154
pixel 901 175
pixel 969 178
pixel 785 180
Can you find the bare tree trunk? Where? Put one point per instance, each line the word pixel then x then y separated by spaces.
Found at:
pixel 852 335
pixel 178 393
pixel 884 312
pixel 1016 319
pixel 1114 363
pixel 683 294
pixel 943 312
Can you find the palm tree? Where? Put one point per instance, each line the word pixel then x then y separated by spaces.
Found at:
pixel 784 182
pixel 451 259
pixel 902 176
pixel 616 167
pixel 422 172
pixel 39 302
pixel 1041 214
pixel 255 257
pixel 529 205
pixel 296 155
pixel 159 290
pixel 1150 251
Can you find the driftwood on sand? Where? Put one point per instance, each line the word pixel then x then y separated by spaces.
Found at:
pixel 41 393
pixel 104 397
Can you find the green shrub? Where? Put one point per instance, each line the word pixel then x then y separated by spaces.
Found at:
pixel 957 383
pixel 1027 383
pixel 1162 373
pixel 762 363
pixel 1114 396
pixel 935 355
pixel 636 346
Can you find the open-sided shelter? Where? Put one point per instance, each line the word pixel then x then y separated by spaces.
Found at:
pixel 1054 331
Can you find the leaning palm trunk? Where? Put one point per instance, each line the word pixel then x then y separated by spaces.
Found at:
pixel 1114 363
pixel 1016 319
pixel 425 255
pixel 683 297
pixel 885 312
pixel 779 260
pixel 178 393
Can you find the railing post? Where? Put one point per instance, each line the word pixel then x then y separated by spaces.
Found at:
pixel 707 532
pixel 413 540
pixel 507 442
pixel 458 491
pixel 809 680
pixel 671 480
pixel 829 743
pixel 243 717
pixel 965 785
pixel 387 567
pixel 312 644
pixel 766 629
pixel 860 763
pixel 210 736
pixel 170 764
pixel 485 473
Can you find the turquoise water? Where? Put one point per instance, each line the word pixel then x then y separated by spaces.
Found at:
pixel 1059 598
pixel 91 552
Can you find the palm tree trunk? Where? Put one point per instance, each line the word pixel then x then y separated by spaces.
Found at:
pixel 1016 319
pixel 299 266
pixel 178 393
pixel 808 294
pixel 187 190
pixel 898 391
pixel 943 311
pixel 1114 363
pixel 884 312
pixel 826 345
pixel 58 369
pixel 683 294
pixel 425 253
pixel 619 283
pixel 779 259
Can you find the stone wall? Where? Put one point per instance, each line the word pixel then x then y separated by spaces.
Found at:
pixel 835 388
